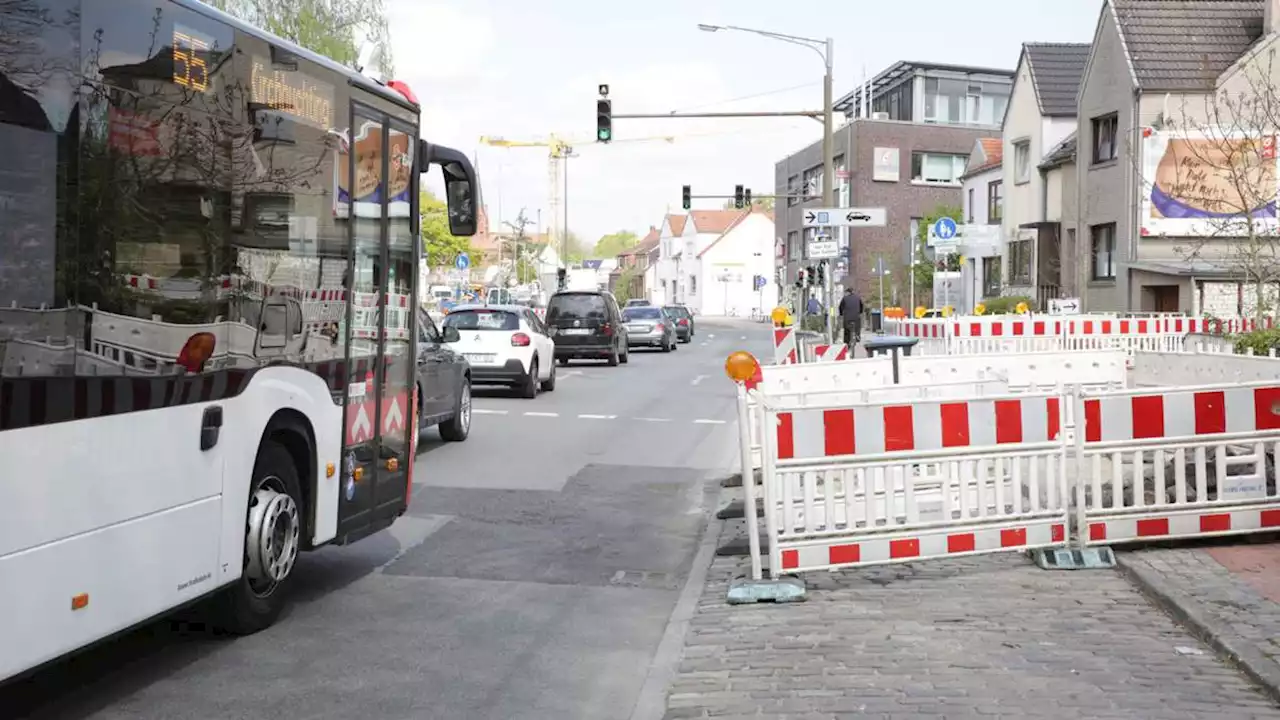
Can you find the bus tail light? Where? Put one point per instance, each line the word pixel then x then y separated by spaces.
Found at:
pixel 197 351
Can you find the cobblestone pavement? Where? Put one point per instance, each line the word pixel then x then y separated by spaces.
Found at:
pixel 981 637
pixel 1229 594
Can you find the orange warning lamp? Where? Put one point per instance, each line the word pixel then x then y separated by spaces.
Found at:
pixel 979 309
pixel 780 316
pixel 740 366
pixel 1021 308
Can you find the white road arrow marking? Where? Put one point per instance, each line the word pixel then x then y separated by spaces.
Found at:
pixel 395 419
pixel 362 420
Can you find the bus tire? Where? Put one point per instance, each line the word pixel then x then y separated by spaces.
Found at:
pixel 273 540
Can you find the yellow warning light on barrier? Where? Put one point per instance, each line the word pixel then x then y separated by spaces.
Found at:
pixel 979 309
pixel 780 315
pixel 920 311
pixel 740 366
pixel 1022 308
pixel 947 311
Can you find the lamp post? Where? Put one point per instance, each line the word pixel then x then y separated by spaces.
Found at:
pixel 824 48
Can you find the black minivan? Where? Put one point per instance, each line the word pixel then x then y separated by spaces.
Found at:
pixel 587 324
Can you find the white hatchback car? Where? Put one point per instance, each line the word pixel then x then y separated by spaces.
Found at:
pixel 505 345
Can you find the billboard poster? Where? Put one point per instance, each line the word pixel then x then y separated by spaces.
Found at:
pixel 1204 184
pixel 370 187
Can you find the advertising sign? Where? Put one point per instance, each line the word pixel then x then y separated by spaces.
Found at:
pixel 1198 184
pixel 371 187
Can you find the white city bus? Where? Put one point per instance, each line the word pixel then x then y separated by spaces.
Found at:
pixel 208 253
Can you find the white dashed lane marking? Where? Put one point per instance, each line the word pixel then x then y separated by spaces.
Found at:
pixel 704 421
pixel 485 411
pixel 698 379
pixel 598 417
pixel 594 416
pixel 542 414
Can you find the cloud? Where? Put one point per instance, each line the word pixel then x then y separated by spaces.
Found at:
pixel 433 41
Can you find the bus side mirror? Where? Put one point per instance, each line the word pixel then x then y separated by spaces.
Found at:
pixel 460 185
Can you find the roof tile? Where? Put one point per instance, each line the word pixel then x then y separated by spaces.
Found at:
pixel 713 221
pixel 1184 45
pixel 1056 72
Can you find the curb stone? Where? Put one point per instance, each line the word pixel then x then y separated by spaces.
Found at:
pixel 1217 635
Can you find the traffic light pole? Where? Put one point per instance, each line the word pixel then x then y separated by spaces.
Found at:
pixel 828 174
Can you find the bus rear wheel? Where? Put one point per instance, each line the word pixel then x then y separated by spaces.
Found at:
pixel 273 539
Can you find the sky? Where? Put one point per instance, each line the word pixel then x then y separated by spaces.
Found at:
pixel 522 71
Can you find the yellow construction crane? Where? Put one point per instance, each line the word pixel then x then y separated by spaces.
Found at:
pixel 558 151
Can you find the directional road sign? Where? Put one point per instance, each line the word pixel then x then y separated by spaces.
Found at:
pixel 944 228
pixel 844 217
pixel 1064 306
pixel 823 249
pixel 462 262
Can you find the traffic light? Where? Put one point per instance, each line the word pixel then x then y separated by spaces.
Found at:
pixel 822 273
pixel 686 197
pixel 746 197
pixel 801 280
pixel 604 120
pixel 737 196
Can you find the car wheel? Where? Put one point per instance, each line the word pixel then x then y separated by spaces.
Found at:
pixel 613 358
pixel 550 383
pixel 273 538
pixel 458 427
pixel 626 355
pixel 564 361
pixel 529 388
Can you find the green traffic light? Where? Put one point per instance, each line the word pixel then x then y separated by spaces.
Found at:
pixel 603 134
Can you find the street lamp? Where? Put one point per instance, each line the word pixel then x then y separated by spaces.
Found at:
pixel 824 48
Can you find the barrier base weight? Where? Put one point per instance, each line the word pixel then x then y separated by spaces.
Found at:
pixel 735 480
pixel 737 509
pixel 745 591
pixel 1094 558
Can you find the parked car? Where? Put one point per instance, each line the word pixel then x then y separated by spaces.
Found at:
pixel 587 324
pixel 684 321
pixel 650 326
pixel 505 345
pixel 638 302
pixel 444 382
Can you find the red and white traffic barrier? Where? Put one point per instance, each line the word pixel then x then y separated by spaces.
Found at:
pixel 784 346
pixel 877 429
pixel 831 353
pixel 1178 463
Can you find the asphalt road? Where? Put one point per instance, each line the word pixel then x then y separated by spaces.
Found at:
pixel 532 578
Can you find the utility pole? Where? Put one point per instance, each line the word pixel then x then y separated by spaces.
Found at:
pixel 825 49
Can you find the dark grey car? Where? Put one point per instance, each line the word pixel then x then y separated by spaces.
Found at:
pixel 649 326
pixel 444 382
pixel 683 319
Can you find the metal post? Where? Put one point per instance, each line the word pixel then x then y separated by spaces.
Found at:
pixel 564 239
pixel 828 172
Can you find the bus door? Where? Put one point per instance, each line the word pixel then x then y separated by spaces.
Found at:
pixel 379 188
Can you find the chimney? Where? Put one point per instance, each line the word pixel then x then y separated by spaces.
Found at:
pixel 1270 16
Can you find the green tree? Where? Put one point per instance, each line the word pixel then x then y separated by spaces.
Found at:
pixel 575 250
pixel 439 246
pixel 626 278
pixel 923 267
pixel 612 244
pixel 328 27
pixel 765 204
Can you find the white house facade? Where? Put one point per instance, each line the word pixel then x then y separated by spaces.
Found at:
pixel 729 264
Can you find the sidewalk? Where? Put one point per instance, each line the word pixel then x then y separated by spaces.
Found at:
pixel 1229 595
pixel 987 637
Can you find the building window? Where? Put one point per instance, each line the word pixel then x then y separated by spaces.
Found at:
pixel 957 102
pixel 937 167
pixel 793 245
pixel 1105 138
pixel 693 284
pixel 991 277
pixel 1022 161
pixel 1020 262
pixel 995 202
pixel 793 189
pixel 969 209
pixel 811 183
pixel 1104 251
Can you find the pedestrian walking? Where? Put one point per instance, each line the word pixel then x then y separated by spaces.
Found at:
pixel 851 317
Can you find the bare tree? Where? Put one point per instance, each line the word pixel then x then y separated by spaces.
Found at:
pixel 1218 171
